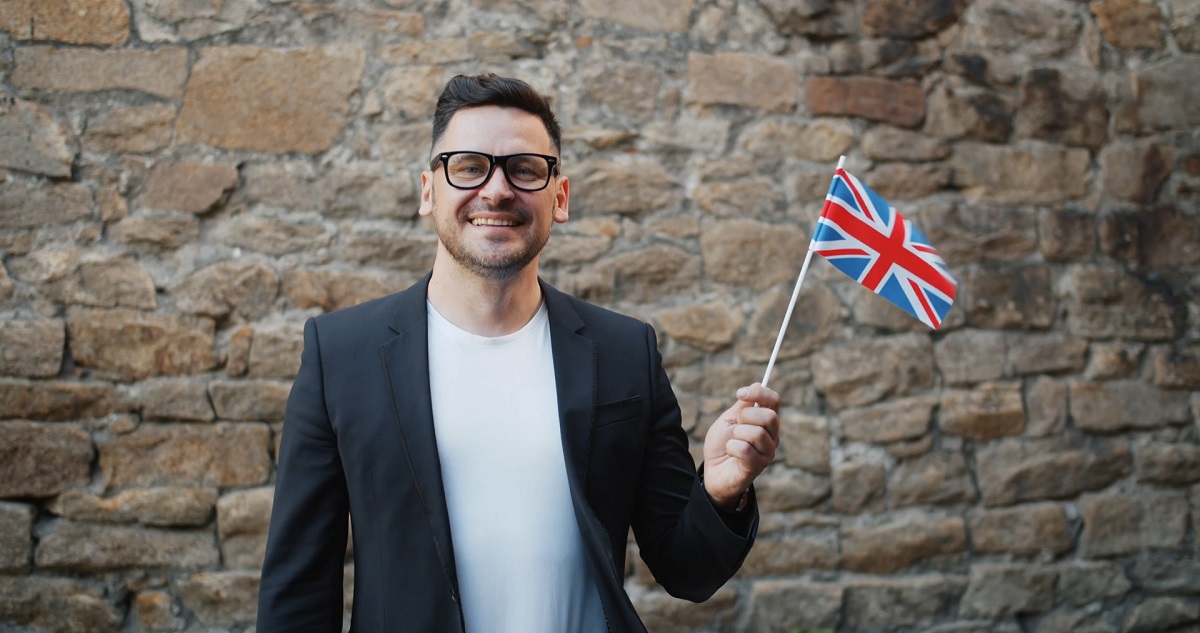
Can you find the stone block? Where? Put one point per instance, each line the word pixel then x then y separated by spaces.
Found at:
pixel 1116 524
pixel 221 599
pixel 897 103
pixel 1165 572
pixel 1045 407
pixel 242 520
pixel 969 233
pixel 270 100
pixel 1066 235
pixel 32 348
pixel 910 20
pixel 1035 353
pixel 968 113
pixel 709 326
pixel 157 231
pixel 670 16
pixel 56 604
pixel 101 22
pixel 1135 171
pixel 751 253
pixel 1032 27
pixel 86 548
pixel 42 460
pixel 986 412
pixel 245 287
pixel 997 591
pixel 155 611
pixel 1176 367
pixel 1035 174
pixel 900 542
pixel 824 314
pixel 822 140
pixel 1083 582
pixel 140 344
pixel 936 478
pixel 93 279
pixel 1166 95
pixel 1129 23
pixel 161 72
pixel 1168 464
pixel 1010 297
pixel 763 83
pixel 405 250
pixel 863 372
pixel 745 197
pixel 893 420
pixel 627 188
pixel 31 140
pixel 660 611
pixel 188 187
pixel 333 290
pixel 221 455
pixel 1160 614
pixel 856 486
pixel 1068 108
pixel 1023 530
pixel 250 400
pixel 1185 24
pixel 16 538
pixel 792 554
pixel 1014 471
pixel 1111 407
pixel 25 208
pixel 133 129
pixel 172 399
pixel 165 507
pixel 59 400
pixel 873 604
pixel 1114 360
pixel 785 605
pixel 411 92
pixel 1106 302
pixel 970 356
pixel 275 351
pixel 628 91
pixel 695 133
pixel 902 181
pixel 172 19
pixel 886 143
pixel 785 490
pixel 804 441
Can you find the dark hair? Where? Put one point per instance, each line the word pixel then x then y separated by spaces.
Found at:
pixel 465 91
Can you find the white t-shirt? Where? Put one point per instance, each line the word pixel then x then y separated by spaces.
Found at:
pixel 517 549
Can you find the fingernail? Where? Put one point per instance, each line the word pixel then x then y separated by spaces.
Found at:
pixel 743 393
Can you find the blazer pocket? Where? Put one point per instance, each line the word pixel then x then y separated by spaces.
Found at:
pixel 619 411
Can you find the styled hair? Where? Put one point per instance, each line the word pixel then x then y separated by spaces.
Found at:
pixel 474 91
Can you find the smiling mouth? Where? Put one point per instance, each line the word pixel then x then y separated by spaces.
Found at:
pixel 492 222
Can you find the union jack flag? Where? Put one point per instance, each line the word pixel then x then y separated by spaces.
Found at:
pixel 864 237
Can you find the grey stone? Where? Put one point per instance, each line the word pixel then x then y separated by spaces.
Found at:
pixel 1037 353
pixel 42 460
pixel 173 399
pixel 32 140
pixel 936 478
pixel 16 538
pixel 861 373
pixel 1003 590
pixel 221 599
pixel 1012 471
pixel 889 421
pixel 56 604
pixel 1010 297
pixel 1022 530
pixel 242 520
pixel 168 506
pixel 915 601
pixel 1115 406
pixel 250 400
pixel 32 348
pixel 221 454
pixel 1045 407
pixel 1160 614
pixel 900 541
pixel 1116 524
pixel 25 208
pixel 1105 302
pixel 86 548
pixel 789 605
pixel 1170 464
pixel 1161 572
pixel 970 356
pixel 1084 582
pixel 856 485
pixel 804 441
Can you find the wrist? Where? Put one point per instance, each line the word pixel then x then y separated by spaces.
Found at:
pixel 731 504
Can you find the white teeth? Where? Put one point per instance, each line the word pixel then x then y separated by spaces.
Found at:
pixel 492 222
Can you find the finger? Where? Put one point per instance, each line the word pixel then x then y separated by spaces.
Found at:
pixel 749 457
pixel 756 394
pixel 757 438
pixel 762 418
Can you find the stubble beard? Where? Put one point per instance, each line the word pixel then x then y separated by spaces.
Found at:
pixel 492 266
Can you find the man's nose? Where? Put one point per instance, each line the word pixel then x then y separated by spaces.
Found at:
pixel 496 187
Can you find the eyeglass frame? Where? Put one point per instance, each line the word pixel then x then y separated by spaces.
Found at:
pixel 443 159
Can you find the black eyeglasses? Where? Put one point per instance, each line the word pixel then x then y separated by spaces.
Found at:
pixel 469 170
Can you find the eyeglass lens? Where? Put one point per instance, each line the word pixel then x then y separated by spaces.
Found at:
pixel 525 171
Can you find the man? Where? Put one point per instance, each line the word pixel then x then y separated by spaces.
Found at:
pixel 492 439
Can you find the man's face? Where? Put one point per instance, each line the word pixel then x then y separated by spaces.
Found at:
pixel 495 230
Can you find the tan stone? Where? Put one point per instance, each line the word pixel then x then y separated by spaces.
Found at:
pixel 242 521
pixel 32 348
pixel 1025 175
pixel 69 277
pixel 168 506
pixel 970 356
pixel 258 400
pixel 1135 171
pixel 751 197
pixel 669 15
pixel 752 254
pixel 244 97
pixel 167 231
pixel 1176 367
pixel 886 143
pixel 246 287
pixel 629 188
pixel 565 249
pixel 763 83
pixel 1167 95
pixel 41 460
pixel 333 290
pixel 1116 524
pixel 221 598
pixel 173 399
pixel 425 51
pixel 188 187
pixel 1012 471
pixel 160 72
pixel 223 454
pixel 385 21
pixel 822 140
pixel 709 326
pixel 894 102
pixel 138 344
pixel 1021 530
pixel 866 371
pixel 823 314
pixel 1037 353
pixel 890 421
pixel 794 605
pixel 32 140
pixel 1032 27
pixel 856 485
pixel 916 601
pixel 1068 107
pixel 273 235
pixel 954 112
pixel 627 90
pixel 1115 406
pixel 237 351
pixel 16 538
pixel 88 548
pixel 985 412
pixel 103 22
pixel 1169 464
pixel 646 274
pixel 998 591
pixel 1018 296
pixel 1107 301
pixel 910 19
pixel 1084 582
pixel 57 604
pixel 785 490
pixel 59 400
pixel 1129 23
pixel 1045 407
pixel 900 542
pixel 1185 24
pixel 412 91
pixel 902 181
pixel 804 441
pixel 195 20
pixel 155 611
pixel 25 208
pixel 660 611
pixel 275 351
pixel 936 478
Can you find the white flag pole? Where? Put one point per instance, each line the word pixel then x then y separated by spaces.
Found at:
pixel 787 316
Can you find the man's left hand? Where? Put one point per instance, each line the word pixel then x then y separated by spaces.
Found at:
pixel 741 444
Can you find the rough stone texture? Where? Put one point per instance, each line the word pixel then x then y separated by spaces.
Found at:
pixel 55 400
pixel 987 412
pixel 190 187
pixel 1165 96
pixel 762 83
pixel 824 313
pixel 1135 171
pixel 1022 530
pixel 169 506
pixel 160 72
pixel 664 16
pixel 1003 590
pixel 1104 302
pixel 804 441
pixel 1010 297
pixel 1113 406
pixel 247 288
pixel 334 290
pixel 1160 573
pixel 709 326
pixel 789 605
pixel 103 22
pixel 57 604
pixel 823 140
pixel 129 130
pixel 178 455
pixel 1185 24
pixel 937 478
pixel 890 421
pixel 173 399
pixel 1011 471
pixel 21 207
pixel 1084 582
pixel 153 610
pixel 893 102
pixel 87 548
pixel 661 612
pixel 748 252
pixel 908 19
pixel 1169 464
pixel 221 598
pixel 864 372
pixel 1162 236
pixel 69 277
pixel 139 344
pixel 16 537
pixel 1045 353
pixel 242 520
pixel 32 140
pixel 1176 367
pixel 32 348
pixel 41 460
pixel 1045 407
pixel 1161 614
pixel 1116 523
pixel 1038 174
pixel 797 553
pixel 892 546
pixel 626 187
pixel 879 603
pixel 1062 108
pixel 157 231
pixel 783 490
pixel 244 97
pixel 261 400
pixel 856 485
pixel 1129 23
pixel 275 351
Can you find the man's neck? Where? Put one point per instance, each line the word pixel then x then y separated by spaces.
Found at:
pixel 481 306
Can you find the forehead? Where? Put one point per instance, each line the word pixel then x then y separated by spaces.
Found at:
pixel 496 130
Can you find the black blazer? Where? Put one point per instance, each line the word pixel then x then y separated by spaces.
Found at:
pixel 359 438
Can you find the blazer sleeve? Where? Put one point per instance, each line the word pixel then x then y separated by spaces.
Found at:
pixel 682 538
pixel 301 586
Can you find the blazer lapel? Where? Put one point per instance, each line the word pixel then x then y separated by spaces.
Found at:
pixel 406 366
pixel 575 381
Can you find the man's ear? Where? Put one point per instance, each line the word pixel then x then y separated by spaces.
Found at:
pixel 562 195
pixel 426 207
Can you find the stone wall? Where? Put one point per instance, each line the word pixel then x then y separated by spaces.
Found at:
pixel 183 183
